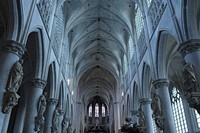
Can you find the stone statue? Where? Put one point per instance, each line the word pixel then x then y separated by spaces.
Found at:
pixel 141 118
pixel 69 128
pixel 157 111
pixel 42 104
pixel 189 78
pixel 65 125
pixel 156 106
pixel 11 97
pixel 16 76
pixel 39 120
pixel 191 87
pixel 56 115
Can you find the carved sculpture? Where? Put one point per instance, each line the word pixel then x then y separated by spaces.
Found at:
pixel 11 97
pixel 191 87
pixel 65 124
pixel 157 111
pixel 141 118
pixel 39 119
pixel 69 128
pixel 56 115
pixel 130 127
pixel 189 79
pixel 16 76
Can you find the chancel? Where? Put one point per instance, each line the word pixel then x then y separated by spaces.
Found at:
pixel 99 66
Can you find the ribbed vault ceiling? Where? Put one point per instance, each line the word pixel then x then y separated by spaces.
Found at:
pixel 98 31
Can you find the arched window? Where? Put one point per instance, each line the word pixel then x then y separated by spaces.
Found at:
pixel 131 47
pixel 96 110
pixel 90 110
pixel 154 126
pixel 103 110
pixel 197 118
pixel 139 23
pixel 178 112
pixel 125 64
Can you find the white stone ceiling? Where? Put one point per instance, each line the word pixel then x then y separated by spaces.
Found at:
pixel 98 31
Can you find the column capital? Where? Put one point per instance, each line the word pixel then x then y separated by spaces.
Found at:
pixel 12 47
pixel 160 83
pixel 189 46
pixel 144 101
pixel 52 101
pixel 39 83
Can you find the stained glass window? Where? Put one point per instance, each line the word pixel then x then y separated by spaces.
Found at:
pixel 90 110
pixel 103 110
pixel 125 64
pixel 96 110
pixel 154 126
pixel 197 118
pixel 131 47
pixel 178 112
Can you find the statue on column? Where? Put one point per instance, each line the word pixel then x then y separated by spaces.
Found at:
pixel 55 120
pixel 189 79
pixel 191 87
pixel 14 82
pixel 141 118
pixel 69 128
pixel 157 111
pixel 65 124
pixel 39 119
pixel 16 76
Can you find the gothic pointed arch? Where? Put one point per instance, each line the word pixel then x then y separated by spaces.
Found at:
pixel 166 48
pixel 147 81
pixel 51 81
pixel 190 15
pixel 136 96
pixel 9 19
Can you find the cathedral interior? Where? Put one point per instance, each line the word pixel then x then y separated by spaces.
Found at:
pixel 99 66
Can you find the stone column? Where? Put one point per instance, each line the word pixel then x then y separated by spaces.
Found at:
pixel 51 105
pixel 78 117
pixel 190 50
pixel 60 121
pixel 34 94
pixel 145 104
pixel 161 86
pixel 117 116
pixel 10 53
